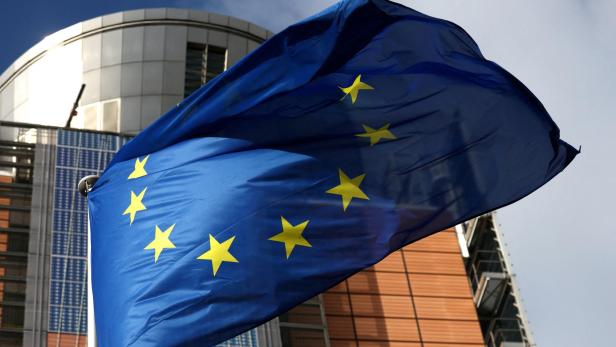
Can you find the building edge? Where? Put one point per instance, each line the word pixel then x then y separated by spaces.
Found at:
pixel 495 292
pixel 513 282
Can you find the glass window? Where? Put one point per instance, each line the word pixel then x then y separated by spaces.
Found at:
pixel 215 62
pixel 17 243
pixel 203 63
pixel 99 116
pixel 195 64
pixel 303 314
pixel 12 317
pixel 90 117
pixel 301 337
pixel 304 325
pixel 111 112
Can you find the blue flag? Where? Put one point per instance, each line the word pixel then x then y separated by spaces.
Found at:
pixel 338 141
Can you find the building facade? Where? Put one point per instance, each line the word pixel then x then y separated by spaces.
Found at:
pixel 454 288
pixel 495 293
pixel 136 65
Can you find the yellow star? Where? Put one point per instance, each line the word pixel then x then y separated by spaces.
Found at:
pixel 161 241
pixel 348 189
pixel 376 135
pixel 291 236
pixel 139 170
pixel 135 204
pixel 218 253
pixel 354 88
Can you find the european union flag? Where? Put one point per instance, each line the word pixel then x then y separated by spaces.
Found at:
pixel 340 140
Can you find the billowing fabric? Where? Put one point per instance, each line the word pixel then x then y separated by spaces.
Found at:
pixel 338 141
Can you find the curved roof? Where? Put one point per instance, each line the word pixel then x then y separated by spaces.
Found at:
pixel 154 16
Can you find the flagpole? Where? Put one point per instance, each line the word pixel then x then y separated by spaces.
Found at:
pixel 84 187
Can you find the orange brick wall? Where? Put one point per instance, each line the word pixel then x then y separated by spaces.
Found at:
pixel 4 223
pixel 416 297
pixel 66 340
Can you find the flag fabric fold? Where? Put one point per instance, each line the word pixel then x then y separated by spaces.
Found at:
pixel 338 141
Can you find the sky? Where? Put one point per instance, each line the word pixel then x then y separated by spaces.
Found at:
pixel 561 240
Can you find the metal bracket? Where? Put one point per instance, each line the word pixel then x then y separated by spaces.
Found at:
pixel 85 184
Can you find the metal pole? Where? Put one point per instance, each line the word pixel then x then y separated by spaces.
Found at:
pixel 75 105
pixel 84 187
